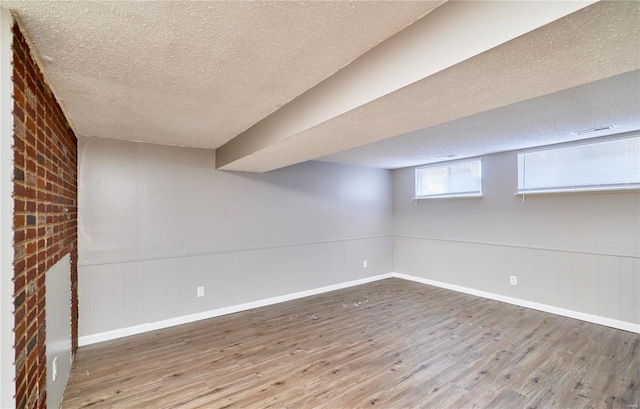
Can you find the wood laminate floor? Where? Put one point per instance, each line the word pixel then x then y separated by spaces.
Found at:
pixel 389 344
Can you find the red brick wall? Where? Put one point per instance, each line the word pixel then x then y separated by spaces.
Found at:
pixel 45 217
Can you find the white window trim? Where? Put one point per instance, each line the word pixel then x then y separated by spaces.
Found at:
pixel 600 189
pixel 613 188
pixel 471 195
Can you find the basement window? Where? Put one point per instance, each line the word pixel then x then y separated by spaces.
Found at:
pixel 611 164
pixel 451 179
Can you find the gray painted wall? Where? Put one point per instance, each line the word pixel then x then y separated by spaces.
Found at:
pixel 574 251
pixel 155 222
pixel 58 316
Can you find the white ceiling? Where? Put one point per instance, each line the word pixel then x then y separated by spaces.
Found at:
pixel 196 73
pixel 594 43
pixel 270 84
pixel 545 120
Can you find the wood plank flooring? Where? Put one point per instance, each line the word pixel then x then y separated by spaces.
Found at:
pixel 389 344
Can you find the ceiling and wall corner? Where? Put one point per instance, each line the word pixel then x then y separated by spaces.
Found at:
pixel 271 84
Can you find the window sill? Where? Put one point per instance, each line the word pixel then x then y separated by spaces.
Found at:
pixel 578 191
pixel 465 196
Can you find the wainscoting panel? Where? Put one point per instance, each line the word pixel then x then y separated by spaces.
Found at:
pixel 598 285
pixel 120 295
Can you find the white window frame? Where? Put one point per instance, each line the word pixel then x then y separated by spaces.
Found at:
pixel 448 165
pixel 521 169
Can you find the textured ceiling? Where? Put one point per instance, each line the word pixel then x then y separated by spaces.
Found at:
pixel 539 121
pixel 594 43
pixel 196 73
pixel 453 33
pixel 200 73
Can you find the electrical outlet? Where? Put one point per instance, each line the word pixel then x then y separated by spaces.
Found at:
pixel 364 263
pixel 54 370
pixel 513 280
pixel 200 292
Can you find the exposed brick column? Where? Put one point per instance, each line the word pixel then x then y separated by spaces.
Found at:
pixel 45 217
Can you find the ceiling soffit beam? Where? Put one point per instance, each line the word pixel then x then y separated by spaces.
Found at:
pixel 452 33
pixel 597 42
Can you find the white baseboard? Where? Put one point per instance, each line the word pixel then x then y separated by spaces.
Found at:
pixel 596 319
pixel 139 329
